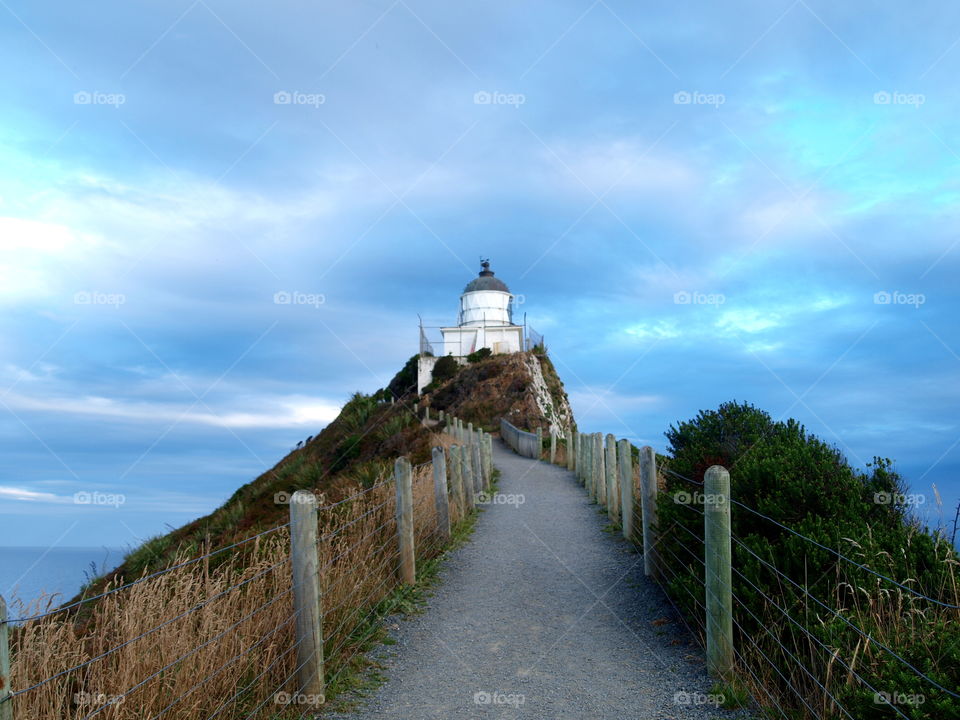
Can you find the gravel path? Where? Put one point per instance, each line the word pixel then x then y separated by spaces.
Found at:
pixel 543 614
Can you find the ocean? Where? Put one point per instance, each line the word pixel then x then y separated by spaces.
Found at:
pixel 29 572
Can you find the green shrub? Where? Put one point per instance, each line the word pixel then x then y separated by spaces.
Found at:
pixel 481 354
pixel 405 381
pixel 779 470
pixel 446 368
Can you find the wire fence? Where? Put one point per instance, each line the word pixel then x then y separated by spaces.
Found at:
pixel 218 634
pixel 796 651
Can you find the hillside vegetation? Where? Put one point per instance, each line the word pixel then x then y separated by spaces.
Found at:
pixel 359 447
pixel 827 626
pixel 207 626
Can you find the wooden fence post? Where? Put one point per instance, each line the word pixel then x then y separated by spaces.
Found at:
pixel 553 446
pixel 648 508
pixel 481 466
pixel 490 456
pixel 571 457
pixel 625 458
pixel 487 457
pixel 576 454
pixel 440 417
pixel 600 475
pixel 477 467
pixel 426 413
pixel 539 455
pixel 306 593
pixel 467 476
pixel 717 554
pixel 581 458
pixel 440 496
pixel 610 466
pixel 403 475
pixel 587 467
pixel 6 705
pixel 456 480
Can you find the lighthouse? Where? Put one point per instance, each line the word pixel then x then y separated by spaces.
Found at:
pixel 484 320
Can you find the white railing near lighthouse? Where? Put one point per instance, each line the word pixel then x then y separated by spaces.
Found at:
pixel 523 443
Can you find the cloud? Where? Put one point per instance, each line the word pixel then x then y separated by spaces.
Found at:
pixel 287 411
pixel 8 492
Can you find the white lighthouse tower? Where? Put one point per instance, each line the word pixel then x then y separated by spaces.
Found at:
pixel 485 320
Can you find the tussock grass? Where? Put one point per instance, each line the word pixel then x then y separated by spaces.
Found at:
pixel 206 647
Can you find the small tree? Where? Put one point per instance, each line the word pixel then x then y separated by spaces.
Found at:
pixel 481 354
pixel 445 369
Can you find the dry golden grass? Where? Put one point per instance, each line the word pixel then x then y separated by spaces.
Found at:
pixel 185 645
pixel 228 640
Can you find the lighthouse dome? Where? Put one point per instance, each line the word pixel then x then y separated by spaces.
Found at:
pixel 486 281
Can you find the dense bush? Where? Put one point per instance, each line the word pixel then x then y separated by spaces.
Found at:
pixel 780 471
pixel 405 381
pixel 481 354
pixel 445 369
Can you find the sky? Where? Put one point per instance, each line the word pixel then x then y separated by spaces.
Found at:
pixel 219 219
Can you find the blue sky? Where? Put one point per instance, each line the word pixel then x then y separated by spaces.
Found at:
pixel 697 203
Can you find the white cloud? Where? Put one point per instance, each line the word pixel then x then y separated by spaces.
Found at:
pixel 662 329
pixel 293 411
pixel 8 492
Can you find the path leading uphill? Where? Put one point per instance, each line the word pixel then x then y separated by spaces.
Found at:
pixel 543 614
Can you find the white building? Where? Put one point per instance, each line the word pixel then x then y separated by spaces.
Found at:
pixel 485 320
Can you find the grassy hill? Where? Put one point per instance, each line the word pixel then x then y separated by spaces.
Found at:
pixel 360 446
